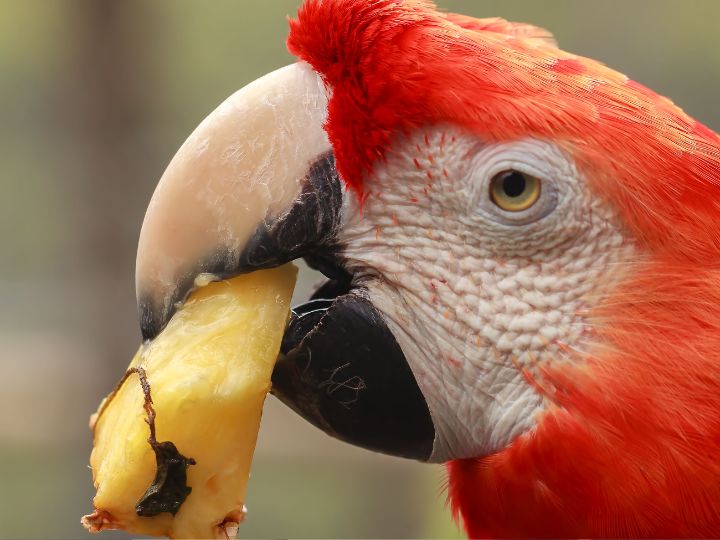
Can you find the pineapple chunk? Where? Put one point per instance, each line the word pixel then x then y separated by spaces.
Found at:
pixel 207 375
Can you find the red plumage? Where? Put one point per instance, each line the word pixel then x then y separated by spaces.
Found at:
pixel 629 446
pixel 630 442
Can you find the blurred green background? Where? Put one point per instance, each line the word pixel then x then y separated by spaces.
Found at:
pixel 95 97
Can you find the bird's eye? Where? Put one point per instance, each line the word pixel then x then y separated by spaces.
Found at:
pixel 514 191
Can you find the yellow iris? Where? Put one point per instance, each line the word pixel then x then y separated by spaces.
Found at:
pixel 514 191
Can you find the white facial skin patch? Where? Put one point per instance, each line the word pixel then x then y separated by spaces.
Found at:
pixel 473 292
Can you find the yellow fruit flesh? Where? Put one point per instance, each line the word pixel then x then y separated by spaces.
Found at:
pixel 209 372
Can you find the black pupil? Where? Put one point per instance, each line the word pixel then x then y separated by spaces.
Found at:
pixel 513 184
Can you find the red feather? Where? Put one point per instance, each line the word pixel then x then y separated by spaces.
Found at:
pixel 630 443
pixel 394 66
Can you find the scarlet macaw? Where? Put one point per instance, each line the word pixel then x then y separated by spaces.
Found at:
pixel 524 272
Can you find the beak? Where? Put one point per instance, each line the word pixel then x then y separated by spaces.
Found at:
pixel 255 186
pixel 241 169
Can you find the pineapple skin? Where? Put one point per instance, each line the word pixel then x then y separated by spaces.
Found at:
pixel 209 373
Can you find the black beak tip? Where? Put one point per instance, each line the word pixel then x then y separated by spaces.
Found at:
pixel 150 325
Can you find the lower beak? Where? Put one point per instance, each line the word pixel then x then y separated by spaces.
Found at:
pixel 255 186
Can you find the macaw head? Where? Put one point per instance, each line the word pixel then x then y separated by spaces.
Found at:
pixel 522 254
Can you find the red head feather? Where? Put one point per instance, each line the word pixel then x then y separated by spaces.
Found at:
pixel 630 444
pixel 394 66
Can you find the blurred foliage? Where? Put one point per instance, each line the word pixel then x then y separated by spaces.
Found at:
pixel 95 97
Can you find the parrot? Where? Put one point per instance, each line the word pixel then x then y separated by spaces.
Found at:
pixel 522 260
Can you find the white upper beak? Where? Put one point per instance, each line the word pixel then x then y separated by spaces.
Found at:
pixel 242 165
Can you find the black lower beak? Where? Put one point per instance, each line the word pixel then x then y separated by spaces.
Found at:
pixel 341 369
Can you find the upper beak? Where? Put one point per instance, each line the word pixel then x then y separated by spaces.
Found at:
pixel 243 167
pixel 255 186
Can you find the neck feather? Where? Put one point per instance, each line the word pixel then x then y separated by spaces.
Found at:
pixel 629 443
